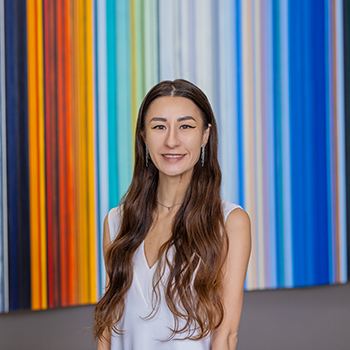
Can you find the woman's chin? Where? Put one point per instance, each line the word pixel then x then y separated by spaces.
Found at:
pixel 174 172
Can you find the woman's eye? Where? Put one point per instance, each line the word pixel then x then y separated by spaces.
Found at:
pixel 187 127
pixel 159 127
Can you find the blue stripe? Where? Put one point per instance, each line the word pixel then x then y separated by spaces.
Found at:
pixel 319 152
pixel 17 155
pixel 329 127
pixel 296 93
pixel 11 152
pixel 308 161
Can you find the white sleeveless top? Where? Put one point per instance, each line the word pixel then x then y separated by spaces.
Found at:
pixel 148 333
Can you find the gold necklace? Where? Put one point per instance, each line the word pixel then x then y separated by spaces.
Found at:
pixel 166 206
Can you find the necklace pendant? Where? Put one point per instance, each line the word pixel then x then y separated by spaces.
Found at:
pixel 169 208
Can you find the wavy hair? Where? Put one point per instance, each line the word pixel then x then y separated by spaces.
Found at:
pixel 193 287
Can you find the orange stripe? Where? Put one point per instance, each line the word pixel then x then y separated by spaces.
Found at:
pixel 41 132
pixel 90 157
pixel 33 156
pixel 83 233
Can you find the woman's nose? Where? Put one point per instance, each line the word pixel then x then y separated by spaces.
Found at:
pixel 172 139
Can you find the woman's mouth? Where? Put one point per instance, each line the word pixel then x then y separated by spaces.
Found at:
pixel 173 157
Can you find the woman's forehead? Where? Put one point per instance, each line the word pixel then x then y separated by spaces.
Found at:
pixel 169 107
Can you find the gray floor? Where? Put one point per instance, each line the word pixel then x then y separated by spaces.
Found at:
pixel 310 318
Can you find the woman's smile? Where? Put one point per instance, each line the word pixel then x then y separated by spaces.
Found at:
pixel 173 157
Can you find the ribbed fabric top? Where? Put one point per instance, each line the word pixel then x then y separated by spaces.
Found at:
pixel 141 333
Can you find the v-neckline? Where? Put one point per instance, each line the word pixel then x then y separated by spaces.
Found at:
pixel 145 259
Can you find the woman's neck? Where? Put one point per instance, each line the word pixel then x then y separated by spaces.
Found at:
pixel 171 190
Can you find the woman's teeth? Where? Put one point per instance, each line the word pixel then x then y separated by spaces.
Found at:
pixel 173 155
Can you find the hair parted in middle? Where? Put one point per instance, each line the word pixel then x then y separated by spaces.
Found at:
pixel 199 240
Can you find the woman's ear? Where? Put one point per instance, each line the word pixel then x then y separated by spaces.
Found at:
pixel 206 135
pixel 144 137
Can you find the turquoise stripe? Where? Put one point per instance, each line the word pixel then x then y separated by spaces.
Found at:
pixel 285 201
pixel 113 174
pixel 123 96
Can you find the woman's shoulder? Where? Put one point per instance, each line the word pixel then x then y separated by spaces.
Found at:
pixel 228 207
pixel 114 221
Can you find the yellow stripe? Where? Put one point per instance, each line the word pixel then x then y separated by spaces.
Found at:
pixel 77 141
pixel 83 241
pixel 90 156
pixel 41 126
pixel 33 156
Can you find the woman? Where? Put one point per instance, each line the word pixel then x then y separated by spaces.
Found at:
pixel 176 254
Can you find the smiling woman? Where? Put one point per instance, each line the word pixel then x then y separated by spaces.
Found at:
pixel 176 254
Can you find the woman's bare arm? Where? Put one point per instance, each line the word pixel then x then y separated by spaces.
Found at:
pixel 239 233
pixel 106 343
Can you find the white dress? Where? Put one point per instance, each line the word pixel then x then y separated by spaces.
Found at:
pixel 148 333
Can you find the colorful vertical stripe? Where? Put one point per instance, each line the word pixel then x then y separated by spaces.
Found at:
pixel 4 277
pixel 72 77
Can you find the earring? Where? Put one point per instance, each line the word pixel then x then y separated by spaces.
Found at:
pixel 147 156
pixel 202 157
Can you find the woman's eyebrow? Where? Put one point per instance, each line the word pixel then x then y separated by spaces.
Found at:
pixel 186 118
pixel 181 119
pixel 158 119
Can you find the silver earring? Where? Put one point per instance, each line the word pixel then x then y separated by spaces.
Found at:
pixel 147 156
pixel 202 157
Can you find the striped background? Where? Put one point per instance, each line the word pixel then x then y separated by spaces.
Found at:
pixel 73 74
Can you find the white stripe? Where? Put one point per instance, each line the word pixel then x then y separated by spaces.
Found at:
pixel 204 49
pixel 227 116
pixel 166 40
pixel 340 138
pixel 101 83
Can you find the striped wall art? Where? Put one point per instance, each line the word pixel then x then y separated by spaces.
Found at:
pixel 72 76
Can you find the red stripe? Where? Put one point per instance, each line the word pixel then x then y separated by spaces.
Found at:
pixel 71 209
pixel 61 155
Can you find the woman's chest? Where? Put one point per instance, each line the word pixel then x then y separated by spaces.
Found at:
pixel 160 232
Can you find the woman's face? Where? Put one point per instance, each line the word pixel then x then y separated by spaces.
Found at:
pixel 174 135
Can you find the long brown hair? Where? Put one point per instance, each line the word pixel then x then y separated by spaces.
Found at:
pixel 198 238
